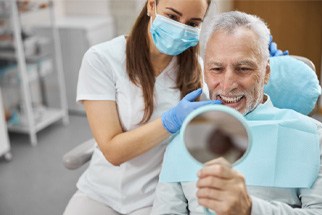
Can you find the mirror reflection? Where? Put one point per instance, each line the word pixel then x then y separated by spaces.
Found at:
pixel 216 133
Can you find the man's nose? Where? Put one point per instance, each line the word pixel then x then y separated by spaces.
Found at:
pixel 228 81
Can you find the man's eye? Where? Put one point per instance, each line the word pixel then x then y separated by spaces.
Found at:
pixel 216 69
pixel 243 69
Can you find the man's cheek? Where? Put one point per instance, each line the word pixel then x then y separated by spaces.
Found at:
pixel 213 84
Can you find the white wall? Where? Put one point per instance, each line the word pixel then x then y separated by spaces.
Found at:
pixel 123 11
pixel 87 7
pixel 59 7
pixel 224 5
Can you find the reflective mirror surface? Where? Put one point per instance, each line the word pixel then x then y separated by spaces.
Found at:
pixel 215 133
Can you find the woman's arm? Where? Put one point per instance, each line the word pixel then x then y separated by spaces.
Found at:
pixel 116 145
pixel 119 146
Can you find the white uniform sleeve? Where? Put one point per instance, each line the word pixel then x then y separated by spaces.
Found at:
pixel 96 79
pixel 311 198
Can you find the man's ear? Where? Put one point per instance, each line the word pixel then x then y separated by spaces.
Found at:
pixel 267 72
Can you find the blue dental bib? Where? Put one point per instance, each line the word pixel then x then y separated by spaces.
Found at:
pixel 285 152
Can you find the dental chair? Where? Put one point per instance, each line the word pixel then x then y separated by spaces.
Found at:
pixel 293 84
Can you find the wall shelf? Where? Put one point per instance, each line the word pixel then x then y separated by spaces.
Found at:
pixel 48 116
pixel 31 68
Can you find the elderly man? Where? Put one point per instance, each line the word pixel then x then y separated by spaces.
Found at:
pixel 236 70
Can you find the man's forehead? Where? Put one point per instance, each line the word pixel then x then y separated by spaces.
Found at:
pixel 237 36
pixel 235 62
pixel 239 49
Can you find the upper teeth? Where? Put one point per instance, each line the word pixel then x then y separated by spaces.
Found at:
pixel 231 99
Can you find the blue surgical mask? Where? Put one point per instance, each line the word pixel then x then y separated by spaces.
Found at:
pixel 171 37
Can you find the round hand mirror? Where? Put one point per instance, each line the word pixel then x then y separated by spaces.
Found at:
pixel 216 131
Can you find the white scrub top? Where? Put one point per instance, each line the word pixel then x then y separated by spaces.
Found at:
pixel 103 76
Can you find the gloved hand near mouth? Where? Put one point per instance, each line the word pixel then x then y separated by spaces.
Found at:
pixel 173 118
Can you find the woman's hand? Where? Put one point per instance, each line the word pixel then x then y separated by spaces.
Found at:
pixel 273 50
pixel 173 118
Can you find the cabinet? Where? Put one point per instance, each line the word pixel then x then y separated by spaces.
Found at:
pixel 295 25
pixel 77 34
pixel 4 141
pixel 32 68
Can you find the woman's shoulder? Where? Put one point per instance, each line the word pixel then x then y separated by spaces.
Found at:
pixel 115 43
pixel 111 50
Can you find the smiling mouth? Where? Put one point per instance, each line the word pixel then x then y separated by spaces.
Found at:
pixel 231 99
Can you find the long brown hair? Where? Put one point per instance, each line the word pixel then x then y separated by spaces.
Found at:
pixel 140 70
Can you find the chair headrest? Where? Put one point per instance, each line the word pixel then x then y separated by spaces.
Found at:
pixel 292 85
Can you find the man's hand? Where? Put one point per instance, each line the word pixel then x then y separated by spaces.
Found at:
pixel 222 189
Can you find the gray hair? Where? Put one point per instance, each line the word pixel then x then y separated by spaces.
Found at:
pixel 231 21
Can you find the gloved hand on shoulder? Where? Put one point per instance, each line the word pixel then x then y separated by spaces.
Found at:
pixel 173 118
pixel 273 51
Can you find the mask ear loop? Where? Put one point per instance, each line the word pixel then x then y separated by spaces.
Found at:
pixel 155 7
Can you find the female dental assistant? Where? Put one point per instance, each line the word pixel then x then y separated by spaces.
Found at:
pixel 130 88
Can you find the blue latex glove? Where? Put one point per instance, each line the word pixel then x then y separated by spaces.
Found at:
pixel 173 118
pixel 273 51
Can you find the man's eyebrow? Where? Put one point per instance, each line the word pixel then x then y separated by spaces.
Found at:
pixel 180 14
pixel 214 63
pixel 246 62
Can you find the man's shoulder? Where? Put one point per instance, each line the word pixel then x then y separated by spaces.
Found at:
pixel 316 122
pixel 268 111
pixel 294 114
